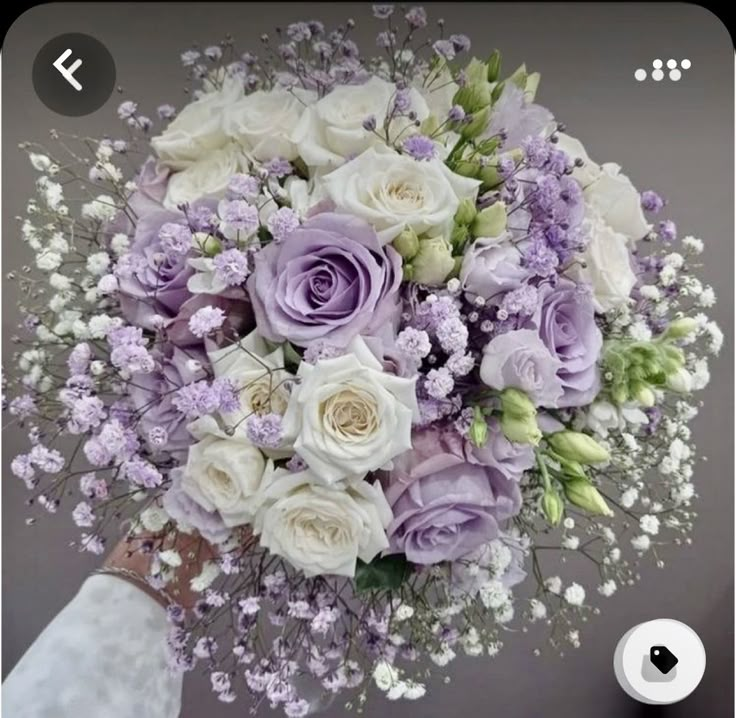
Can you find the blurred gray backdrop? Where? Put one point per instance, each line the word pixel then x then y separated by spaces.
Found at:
pixel 675 137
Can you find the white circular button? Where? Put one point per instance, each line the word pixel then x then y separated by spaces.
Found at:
pixel 659 662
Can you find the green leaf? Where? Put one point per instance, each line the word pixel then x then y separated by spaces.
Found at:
pixel 292 359
pixel 381 573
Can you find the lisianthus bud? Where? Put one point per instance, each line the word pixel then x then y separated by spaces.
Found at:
pixel 473 97
pixel 478 123
pixel 407 243
pixel 475 71
pixel 552 507
pixel 521 431
pixel 491 221
pixel 576 446
pixel 583 494
pixel 494 66
pixel 466 211
pixel 680 328
pixel 210 245
pixel 479 429
pixel 433 262
pixel 467 168
pixel 681 381
pixel 460 235
pixel 645 396
pixel 516 404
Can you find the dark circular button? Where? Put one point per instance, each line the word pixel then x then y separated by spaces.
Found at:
pixel 74 74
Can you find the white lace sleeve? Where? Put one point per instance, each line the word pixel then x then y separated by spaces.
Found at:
pixel 102 656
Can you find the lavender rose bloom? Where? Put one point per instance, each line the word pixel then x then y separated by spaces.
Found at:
pixel 182 508
pixel 444 505
pixel 330 279
pixel 491 267
pixel 520 359
pixel 152 394
pixel 566 324
pixel 508 457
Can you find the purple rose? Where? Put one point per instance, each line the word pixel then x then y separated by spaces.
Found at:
pixel 158 281
pixel 508 457
pixel 491 268
pixel 330 279
pixel 566 324
pixel 445 505
pixel 152 396
pixel 521 360
pixel 181 507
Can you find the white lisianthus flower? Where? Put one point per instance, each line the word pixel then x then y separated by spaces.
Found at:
pixel 197 130
pixel 618 203
pixel 207 178
pixel 223 473
pixel 393 191
pixel 347 417
pixel 321 529
pixel 258 375
pixel 332 129
pixel 264 122
pixel 607 265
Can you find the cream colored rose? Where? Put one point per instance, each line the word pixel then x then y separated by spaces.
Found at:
pixel 197 130
pixel 223 473
pixel 258 375
pixel 322 530
pixel 393 191
pixel 264 122
pixel 208 177
pixel 347 417
pixel 607 264
pixel 618 202
pixel 332 130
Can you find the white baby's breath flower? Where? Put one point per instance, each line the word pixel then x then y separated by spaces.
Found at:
pixel 403 612
pixel 204 579
pixel 49 261
pixel 553 584
pixel 154 518
pixel 692 244
pixel 649 524
pixel 101 209
pixel 641 543
pixel 570 542
pixel 170 557
pixel 607 588
pixel 537 609
pixel 707 298
pixel 575 594
pixel 119 243
pixel 385 675
pixel 98 263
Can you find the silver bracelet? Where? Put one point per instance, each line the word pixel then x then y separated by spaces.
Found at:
pixel 134 577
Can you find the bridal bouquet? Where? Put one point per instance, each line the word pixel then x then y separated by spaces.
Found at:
pixel 381 334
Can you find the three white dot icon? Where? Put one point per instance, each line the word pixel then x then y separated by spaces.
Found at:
pixel 658 72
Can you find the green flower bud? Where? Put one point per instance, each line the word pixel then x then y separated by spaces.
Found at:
pixel 552 507
pixel 521 431
pixel 408 273
pixel 478 123
pixel 680 328
pixel 460 235
pixel 489 146
pixel 491 221
pixel 494 66
pixel 490 177
pixel 433 262
pixel 519 76
pixel 571 469
pixel 583 494
pixel 467 168
pixel 681 381
pixel 429 126
pixel 209 245
pixel 466 211
pixel 473 97
pixel 576 446
pixel 475 71
pixel 531 85
pixel 479 429
pixel 516 404
pixel 407 243
pixel 496 91
pixel 644 395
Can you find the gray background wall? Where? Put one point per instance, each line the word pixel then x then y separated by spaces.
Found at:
pixel 674 137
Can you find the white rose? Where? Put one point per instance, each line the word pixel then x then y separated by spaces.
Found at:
pixel 321 529
pixel 223 473
pixel 347 417
pixel 393 191
pixel 264 122
pixel 607 265
pixel 197 130
pixel 257 374
pixel 332 129
pixel 617 201
pixel 207 178
pixel 573 147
